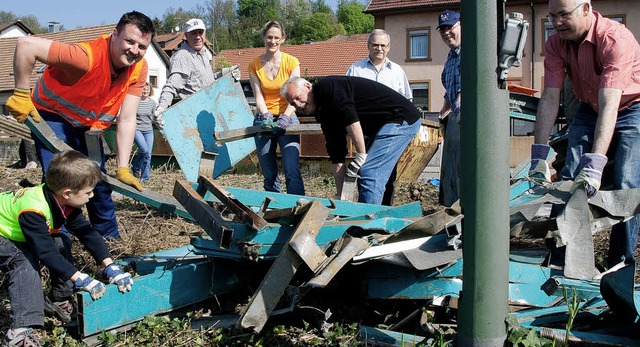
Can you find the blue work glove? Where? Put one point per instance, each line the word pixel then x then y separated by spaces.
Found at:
pixel 267 120
pixel 282 124
pixel 354 166
pixel 539 169
pixel 122 279
pixel 590 175
pixel 90 285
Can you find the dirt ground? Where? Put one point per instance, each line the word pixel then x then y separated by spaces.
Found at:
pixel 145 230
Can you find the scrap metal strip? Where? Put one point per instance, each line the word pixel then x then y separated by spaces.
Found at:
pixel 245 213
pixel 274 284
pixel 206 216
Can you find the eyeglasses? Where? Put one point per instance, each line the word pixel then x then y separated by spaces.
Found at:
pixel 562 16
pixel 380 45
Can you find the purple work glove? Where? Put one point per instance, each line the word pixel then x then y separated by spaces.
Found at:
pixel 267 120
pixel 539 168
pixel 590 175
pixel 283 123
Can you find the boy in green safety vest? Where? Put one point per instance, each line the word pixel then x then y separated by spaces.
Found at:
pixel 30 232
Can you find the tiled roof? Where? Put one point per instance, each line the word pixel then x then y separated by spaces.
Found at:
pixel 322 58
pixel 405 5
pixel 171 42
pixel 8 46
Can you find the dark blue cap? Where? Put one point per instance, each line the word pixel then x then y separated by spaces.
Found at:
pixel 448 17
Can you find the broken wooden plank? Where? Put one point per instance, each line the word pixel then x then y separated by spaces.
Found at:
pixel 206 216
pixel 244 133
pixel 273 285
pixel 244 213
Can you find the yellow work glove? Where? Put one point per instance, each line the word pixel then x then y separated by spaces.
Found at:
pixel 20 106
pixel 124 175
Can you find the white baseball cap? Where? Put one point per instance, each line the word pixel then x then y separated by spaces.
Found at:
pixel 194 24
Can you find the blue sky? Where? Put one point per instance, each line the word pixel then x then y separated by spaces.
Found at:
pixel 76 13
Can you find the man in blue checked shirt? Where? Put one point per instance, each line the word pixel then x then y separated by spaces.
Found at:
pixel 449 28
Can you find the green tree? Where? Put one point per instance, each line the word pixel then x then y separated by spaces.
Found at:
pixel 318 27
pixel 252 14
pixel 321 6
pixel 354 20
pixel 292 13
pixel 31 22
pixel 173 19
pixel 224 24
pixel 7 16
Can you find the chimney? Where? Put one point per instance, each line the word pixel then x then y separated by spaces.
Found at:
pixel 54 27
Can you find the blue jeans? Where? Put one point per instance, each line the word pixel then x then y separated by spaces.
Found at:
pixel 142 161
pixel 24 285
pixel 100 208
pixel 290 152
pixel 625 152
pixel 382 156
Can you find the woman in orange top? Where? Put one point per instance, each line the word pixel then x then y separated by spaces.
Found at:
pixel 267 73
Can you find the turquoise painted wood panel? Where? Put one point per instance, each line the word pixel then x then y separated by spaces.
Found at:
pixel 190 125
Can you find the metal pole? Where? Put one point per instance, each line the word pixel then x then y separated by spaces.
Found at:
pixel 484 181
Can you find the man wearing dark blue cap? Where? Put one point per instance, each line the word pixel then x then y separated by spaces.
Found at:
pixel 449 28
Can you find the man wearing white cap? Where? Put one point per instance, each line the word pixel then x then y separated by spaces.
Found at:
pixel 191 68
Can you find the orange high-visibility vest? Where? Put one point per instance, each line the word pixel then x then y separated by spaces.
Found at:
pixel 92 101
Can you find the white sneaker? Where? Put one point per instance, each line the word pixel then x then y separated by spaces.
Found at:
pixel 31 165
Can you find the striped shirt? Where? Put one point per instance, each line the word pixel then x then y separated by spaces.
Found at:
pixel 144 115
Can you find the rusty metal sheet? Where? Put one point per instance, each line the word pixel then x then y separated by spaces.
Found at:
pixel 350 247
pixel 190 125
pixel 274 284
pixel 349 186
pixel 304 244
pixel 206 216
pixel 246 214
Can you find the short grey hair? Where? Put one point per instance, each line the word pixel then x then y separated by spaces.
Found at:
pixel 295 80
pixel 378 32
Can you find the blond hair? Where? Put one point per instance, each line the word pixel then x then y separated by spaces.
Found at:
pixel 72 170
pixel 150 88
